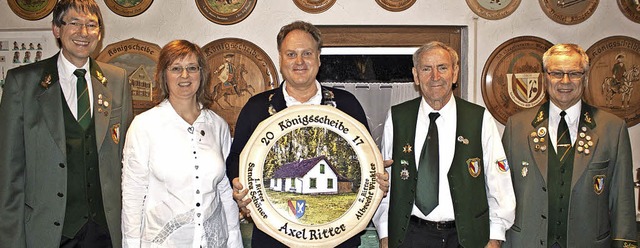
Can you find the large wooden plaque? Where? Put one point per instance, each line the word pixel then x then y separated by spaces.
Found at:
pixel 310 171
pixel 615 72
pixel 512 77
pixel 239 70
pixel 139 58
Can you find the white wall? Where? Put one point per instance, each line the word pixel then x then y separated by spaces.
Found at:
pixel 166 20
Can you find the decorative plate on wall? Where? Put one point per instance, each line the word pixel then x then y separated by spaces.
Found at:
pixel 512 77
pixel 314 6
pixel 569 12
pixel 314 197
pixel 128 7
pixel 31 10
pixel 239 70
pixel 615 70
pixel 395 5
pixel 139 58
pixel 493 9
pixel 631 9
pixel 226 11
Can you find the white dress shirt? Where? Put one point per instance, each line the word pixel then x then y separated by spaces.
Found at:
pixel 174 187
pixel 499 189
pixel 69 81
pixel 314 100
pixel 572 118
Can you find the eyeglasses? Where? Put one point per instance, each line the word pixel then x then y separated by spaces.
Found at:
pixel 177 70
pixel 573 75
pixel 91 27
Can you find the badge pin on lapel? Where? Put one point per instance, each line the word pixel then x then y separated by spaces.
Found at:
pixel 463 140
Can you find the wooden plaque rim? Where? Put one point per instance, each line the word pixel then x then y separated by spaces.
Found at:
pixel 628 11
pixel 390 6
pixel 226 18
pixel 255 151
pixel 493 14
pixel 128 11
pixel 32 15
pixel 312 8
pixel 584 14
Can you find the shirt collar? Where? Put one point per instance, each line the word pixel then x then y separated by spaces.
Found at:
pixel 314 100
pixel 66 68
pixel 446 112
pixel 573 113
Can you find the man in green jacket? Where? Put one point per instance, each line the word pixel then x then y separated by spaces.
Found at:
pixel 457 190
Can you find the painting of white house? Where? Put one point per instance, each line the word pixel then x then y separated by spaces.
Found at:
pixel 309 176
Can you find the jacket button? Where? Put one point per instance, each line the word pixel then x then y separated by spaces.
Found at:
pixel 544 217
pixel 61 165
pixel 56 223
pixel 60 194
pixel 544 189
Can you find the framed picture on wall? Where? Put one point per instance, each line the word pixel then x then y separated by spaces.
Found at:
pixel 128 7
pixel 31 10
pixel 226 12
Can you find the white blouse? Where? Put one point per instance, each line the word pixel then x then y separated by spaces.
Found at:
pixel 175 192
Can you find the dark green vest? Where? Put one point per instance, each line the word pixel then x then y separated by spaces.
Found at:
pixel 467 192
pixel 84 195
pixel 559 186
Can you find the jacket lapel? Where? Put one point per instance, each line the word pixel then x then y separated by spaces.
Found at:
pixel 589 140
pixel 50 100
pixel 540 149
pixel 101 102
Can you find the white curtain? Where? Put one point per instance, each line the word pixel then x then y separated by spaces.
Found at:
pixel 376 99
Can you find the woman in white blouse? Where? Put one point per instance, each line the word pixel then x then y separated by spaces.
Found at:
pixel 174 188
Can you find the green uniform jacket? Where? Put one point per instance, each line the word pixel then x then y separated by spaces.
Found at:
pixel 601 208
pixel 33 174
pixel 467 188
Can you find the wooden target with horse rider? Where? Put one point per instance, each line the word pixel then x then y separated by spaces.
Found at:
pixel 614 74
pixel 240 70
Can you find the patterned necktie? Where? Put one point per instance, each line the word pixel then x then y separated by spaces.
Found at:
pixel 564 139
pixel 84 115
pixel 428 169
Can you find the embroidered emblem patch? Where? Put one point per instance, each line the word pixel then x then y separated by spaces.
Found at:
pixel 503 165
pixel 115 133
pixel 598 184
pixel 474 166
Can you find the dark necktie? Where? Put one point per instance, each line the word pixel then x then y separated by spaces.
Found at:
pixel 564 139
pixel 428 169
pixel 84 115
